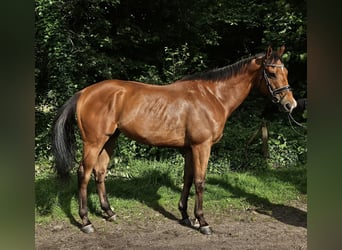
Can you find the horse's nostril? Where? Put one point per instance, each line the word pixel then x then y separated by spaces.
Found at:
pixel 288 106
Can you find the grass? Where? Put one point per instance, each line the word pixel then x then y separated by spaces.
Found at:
pixel 153 189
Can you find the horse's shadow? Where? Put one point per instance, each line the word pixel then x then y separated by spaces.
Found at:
pixel 50 189
pixel 286 214
pixel 143 189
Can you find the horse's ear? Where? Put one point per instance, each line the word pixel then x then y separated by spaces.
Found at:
pixel 269 52
pixel 281 50
pixel 259 60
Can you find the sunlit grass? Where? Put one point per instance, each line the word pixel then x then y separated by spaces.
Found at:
pixel 154 189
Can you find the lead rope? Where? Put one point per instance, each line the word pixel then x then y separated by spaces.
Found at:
pixel 290 117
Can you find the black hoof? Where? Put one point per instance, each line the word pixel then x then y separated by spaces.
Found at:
pixel 205 230
pixel 88 229
pixel 112 218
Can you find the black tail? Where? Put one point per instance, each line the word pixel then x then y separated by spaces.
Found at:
pixel 63 137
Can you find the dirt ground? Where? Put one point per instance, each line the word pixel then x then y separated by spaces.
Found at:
pixel 279 227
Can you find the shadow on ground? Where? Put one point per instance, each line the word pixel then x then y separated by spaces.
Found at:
pixel 286 214
pixel 145 190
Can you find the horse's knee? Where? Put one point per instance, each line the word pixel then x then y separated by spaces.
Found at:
pixel 199 186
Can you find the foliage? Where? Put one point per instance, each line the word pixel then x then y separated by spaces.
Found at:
pixel 79 43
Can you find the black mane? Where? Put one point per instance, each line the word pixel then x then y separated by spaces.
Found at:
pixel 222 73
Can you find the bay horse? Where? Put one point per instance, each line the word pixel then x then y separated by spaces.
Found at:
pixel 189 113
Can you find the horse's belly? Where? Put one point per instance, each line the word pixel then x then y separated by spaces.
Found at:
pixel 155 136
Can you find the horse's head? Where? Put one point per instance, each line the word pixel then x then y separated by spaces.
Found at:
pixel 274 81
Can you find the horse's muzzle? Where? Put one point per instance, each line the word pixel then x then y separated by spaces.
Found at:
pixel 288 105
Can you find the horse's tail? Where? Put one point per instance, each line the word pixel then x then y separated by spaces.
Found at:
pixel 63 137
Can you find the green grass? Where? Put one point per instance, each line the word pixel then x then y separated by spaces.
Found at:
pixel 153 189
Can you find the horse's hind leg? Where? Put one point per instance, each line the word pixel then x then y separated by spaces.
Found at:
pixel 90 155
pixel 100 171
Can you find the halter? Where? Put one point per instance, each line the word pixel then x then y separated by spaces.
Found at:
pixel 272 91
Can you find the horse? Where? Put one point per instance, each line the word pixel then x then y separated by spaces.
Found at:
pixel 189 113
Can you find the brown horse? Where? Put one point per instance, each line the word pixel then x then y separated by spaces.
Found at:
pixel 190 113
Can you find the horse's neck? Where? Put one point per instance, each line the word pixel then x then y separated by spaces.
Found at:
pixel 232 92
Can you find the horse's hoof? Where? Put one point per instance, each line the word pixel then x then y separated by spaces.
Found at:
pixel 88 229
pixel 112 218
pixel 205 230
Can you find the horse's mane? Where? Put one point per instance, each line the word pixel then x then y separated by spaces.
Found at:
pixel 224 72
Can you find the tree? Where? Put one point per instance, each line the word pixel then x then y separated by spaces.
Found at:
pixel 82 42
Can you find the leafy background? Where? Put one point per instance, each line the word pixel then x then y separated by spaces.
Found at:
pixel 78 43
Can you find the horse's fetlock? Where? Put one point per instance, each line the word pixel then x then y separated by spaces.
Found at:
pixel 83 212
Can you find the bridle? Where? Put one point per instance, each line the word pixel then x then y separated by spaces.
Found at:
pixel 274 92
pixel 277 91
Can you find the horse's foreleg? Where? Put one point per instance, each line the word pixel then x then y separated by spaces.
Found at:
pixel 201 155
pixel 188 179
